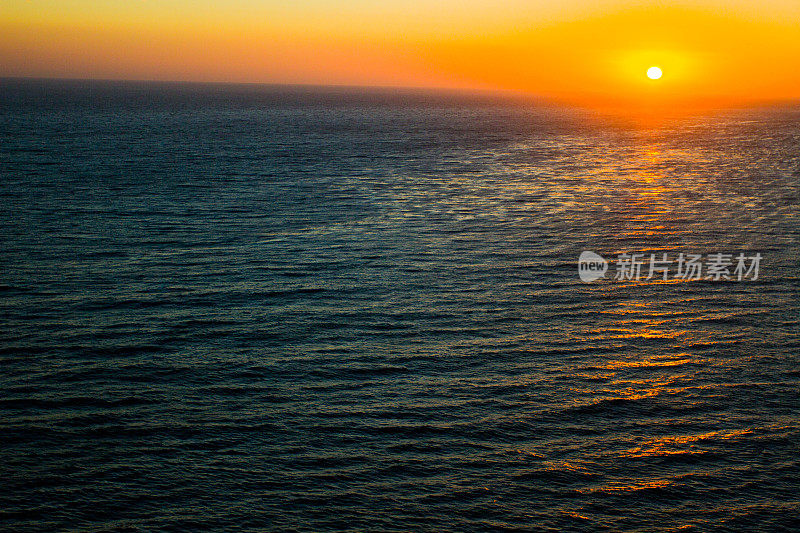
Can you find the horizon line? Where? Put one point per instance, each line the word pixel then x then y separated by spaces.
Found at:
pixel 554 101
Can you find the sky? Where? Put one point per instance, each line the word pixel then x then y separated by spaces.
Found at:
pixel 586 51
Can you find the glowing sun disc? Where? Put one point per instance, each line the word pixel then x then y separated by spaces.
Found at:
pixel 654 73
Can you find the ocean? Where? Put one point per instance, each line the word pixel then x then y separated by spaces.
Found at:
pixel 263 308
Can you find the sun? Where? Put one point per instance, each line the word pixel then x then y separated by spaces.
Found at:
pixel 654 73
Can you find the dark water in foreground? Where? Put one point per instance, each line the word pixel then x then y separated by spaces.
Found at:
pixel 254 309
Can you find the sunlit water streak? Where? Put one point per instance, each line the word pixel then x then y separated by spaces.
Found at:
pixel 251 309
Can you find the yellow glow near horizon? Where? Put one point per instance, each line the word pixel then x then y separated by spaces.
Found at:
pixel 590 52
pixel 654 73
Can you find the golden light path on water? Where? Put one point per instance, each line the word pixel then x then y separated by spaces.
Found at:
pixel 646 190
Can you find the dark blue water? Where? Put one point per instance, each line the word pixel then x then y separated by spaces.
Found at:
pixel 293 309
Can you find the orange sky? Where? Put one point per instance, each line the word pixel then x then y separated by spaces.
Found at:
pixel 585 51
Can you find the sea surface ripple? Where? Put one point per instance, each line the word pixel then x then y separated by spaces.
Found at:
pixel 240 308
